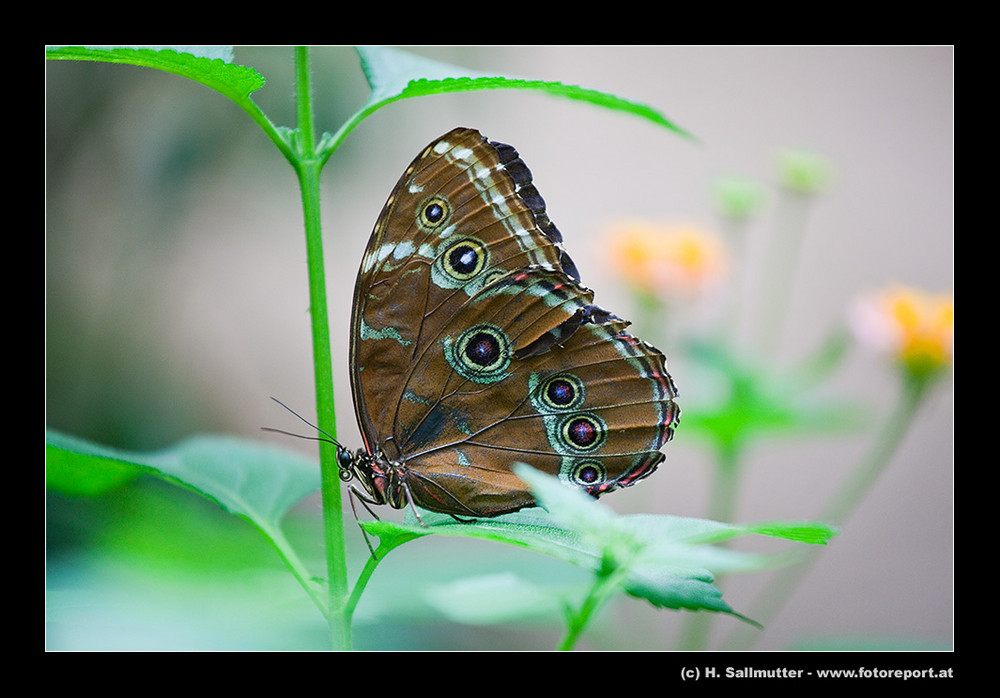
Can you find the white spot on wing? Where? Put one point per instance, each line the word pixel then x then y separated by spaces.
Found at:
pixel 403 250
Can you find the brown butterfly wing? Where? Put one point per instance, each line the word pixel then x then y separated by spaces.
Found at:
pixel 419 266
pixel 474 346
pixel 593 408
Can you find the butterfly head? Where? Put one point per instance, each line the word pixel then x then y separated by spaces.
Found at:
pixel 383 480
pixel 350 463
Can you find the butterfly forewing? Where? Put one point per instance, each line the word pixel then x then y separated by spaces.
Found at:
pixel 453 222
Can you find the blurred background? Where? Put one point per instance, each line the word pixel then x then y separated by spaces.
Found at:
pixel 177 303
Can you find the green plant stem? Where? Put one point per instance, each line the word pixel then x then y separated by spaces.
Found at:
pixel 605 584
pixel 722 507
pixel 303 102
pixel 308 168
pixel 778 279
pixel 891 435
pixel 840 507
pixel 266 125
pixel 366 574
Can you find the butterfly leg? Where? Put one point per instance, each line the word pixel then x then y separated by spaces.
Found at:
pixel 413 507
pixel 363 497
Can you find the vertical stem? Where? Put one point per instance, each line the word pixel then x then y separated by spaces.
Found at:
pixel 734 312
pixel 848 498
pixel 308 169
pixel 696 627
pixel 605 582
pixel 722 506
pixel 303 102
pixel 780 265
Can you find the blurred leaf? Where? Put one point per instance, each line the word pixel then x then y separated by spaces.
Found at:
pixel 738 198
pixel 154 529
pixel 67 472
pixel 804 171
pixel 248 479
pixel 668 560
pixel 757 402
pixel 494 598
pixel 810 532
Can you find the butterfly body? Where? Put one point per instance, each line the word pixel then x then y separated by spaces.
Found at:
pixel 474 346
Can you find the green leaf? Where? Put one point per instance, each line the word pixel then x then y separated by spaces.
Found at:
pixel 801 531
pixel 394 75
pixel 756 401
pixel 667 560
pixel 210 65
pixel 248 479
pixel 473 600
pixel 530 528
pixel 70 472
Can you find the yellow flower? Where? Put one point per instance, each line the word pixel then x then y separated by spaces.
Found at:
pixel 912 327
pixel 667 260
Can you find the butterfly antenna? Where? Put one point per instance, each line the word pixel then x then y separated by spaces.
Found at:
pixel 351 492
pixel 325 437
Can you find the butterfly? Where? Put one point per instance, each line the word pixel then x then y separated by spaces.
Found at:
pixel 474 345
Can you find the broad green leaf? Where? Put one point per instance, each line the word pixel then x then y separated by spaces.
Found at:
pixel 248 479
pixel 531 528
pixel 90 475
pixel 665 589
pixel 210 65
pixel 394 75
pixel 669 560
pixel 572 507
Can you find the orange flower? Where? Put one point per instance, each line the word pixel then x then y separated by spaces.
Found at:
pixel 912 327
pixel 667 260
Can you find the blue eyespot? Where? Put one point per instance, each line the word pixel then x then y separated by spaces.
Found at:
pixel 480 354
pixel 463 260
pixel 434 212
pixel 582 433
pixel 561 392
pixel 588 473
